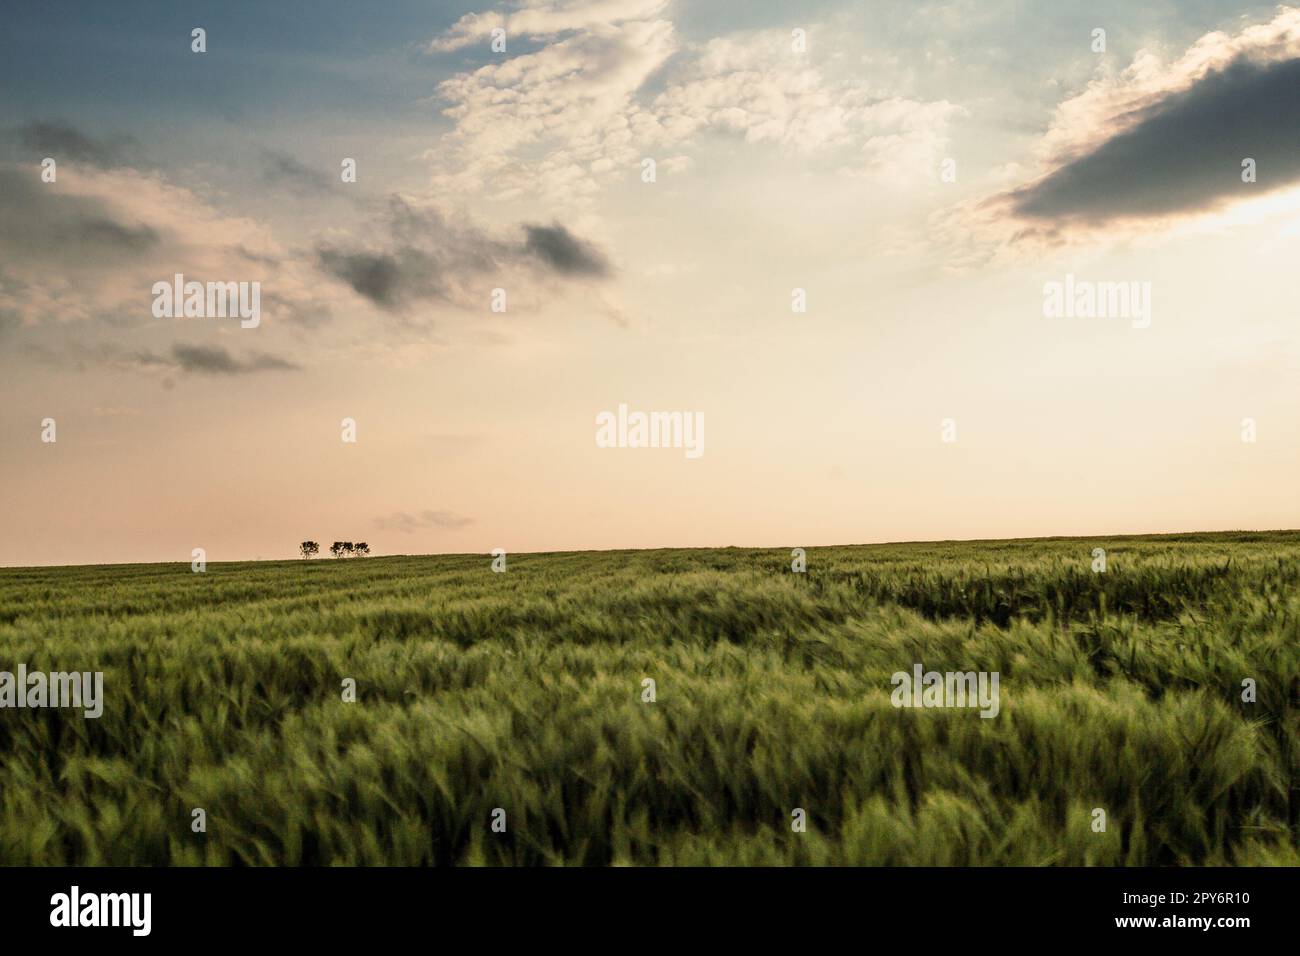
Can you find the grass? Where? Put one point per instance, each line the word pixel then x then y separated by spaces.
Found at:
pixel 523 690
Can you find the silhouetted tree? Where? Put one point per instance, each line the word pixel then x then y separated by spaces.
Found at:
pixel 362 549
pixel 309 549
pixel 348 548
pixel 336 549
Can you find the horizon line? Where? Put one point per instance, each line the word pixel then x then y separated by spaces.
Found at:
pixel 737 547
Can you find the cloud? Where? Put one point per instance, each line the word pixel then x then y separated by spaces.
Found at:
pixel 753 85
pixel 281 169
pixel 89 246
pixel 1184 153
pixel 553 122
pixel 43 225
pixel 104 232
pixel 408 523
pixel 214 360
pixel 426 255
pixel 544 18
pixel 385 279
pixel 303 311
pixel 1162 140
pixel 562 121
pixel 560 250
pixel 62 142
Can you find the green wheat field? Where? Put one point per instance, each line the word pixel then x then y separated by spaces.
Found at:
pixel 523 691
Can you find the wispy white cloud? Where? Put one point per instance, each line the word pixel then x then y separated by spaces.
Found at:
pixel 539 18
pixel 560 122
pixel 554 120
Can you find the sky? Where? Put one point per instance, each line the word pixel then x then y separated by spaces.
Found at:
pixel 919 270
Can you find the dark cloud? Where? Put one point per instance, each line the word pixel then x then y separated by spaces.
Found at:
pixel 560 250
pixel 380 277
pixel 425 257
pixel 101 231
pixel 408 523
pixel 213 360
pixel 10 318
pixel 428 256
pixel 38 222
pixel 1184 152
pixel 281 169
pixel 63 142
